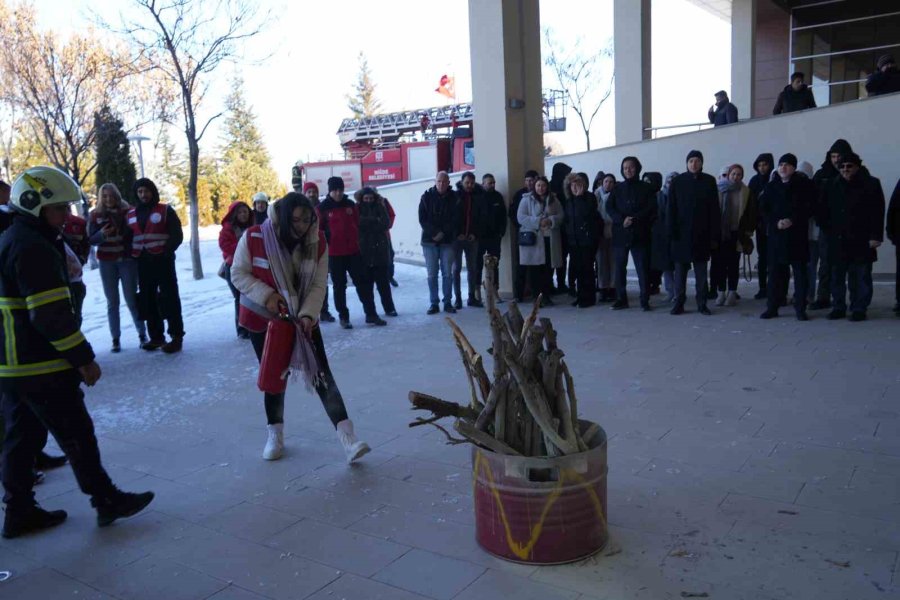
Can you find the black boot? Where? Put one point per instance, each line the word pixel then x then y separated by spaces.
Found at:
pixel 35 518
pixel 116 346
pixel 173 346
pixel 153 345
pixel 45 462
pixel 118 505
pixel 326 317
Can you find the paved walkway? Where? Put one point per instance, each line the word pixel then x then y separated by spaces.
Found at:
pixel 748 460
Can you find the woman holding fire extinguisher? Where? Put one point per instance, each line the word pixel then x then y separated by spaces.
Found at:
pixel 280 269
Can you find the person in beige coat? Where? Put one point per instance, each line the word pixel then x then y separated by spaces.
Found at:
pixel 541 215
pixel 281 267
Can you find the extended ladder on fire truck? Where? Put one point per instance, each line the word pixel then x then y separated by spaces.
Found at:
pixel 391 126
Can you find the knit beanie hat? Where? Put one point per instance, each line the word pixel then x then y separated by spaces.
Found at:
pixel 310 185
pixel 335 183
pixel 789 159
pixel 851 157
pixel 694 154
pixel 884 60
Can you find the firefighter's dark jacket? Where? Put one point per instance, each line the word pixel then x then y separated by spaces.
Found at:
pixel 40 335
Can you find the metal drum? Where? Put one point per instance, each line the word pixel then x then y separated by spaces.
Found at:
pixel 542 510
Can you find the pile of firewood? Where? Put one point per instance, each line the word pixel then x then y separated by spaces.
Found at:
pixel 530 407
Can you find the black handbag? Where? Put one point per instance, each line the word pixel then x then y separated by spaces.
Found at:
pixel 527 238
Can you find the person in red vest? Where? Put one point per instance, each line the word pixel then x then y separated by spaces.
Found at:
pixel 156 234
pixel 78 248
pixel 339 216
pixel 111 236
pixel 281 267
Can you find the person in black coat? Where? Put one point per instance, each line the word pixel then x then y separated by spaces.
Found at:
pixel 557 180
pixel 375 248
pixel 632 209
pixel 693 225
pixel 787 205
pixel 469 216
pixel 852 213
pixel 893 232
pixel 763 165
pixel 437 216
pixel 655 180
pixel 723 112
pixel 885 79
pixel 660 250
pixel 492 227
pixel 794 97
pixel 582 226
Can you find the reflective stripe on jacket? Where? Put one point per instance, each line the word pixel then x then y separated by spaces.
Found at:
pixel 153 238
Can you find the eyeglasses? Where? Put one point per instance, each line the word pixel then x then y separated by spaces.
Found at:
pixel 847 166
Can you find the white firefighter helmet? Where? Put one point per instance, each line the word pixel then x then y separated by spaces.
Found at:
pixel 38 187
pixel 260 197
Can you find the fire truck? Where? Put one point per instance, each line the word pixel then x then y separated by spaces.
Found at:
pixel 412 144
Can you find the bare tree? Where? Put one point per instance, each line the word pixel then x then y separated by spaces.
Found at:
pixel 582 74
pixel 186 41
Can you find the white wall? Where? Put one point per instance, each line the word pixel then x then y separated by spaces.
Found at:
pixel 869 125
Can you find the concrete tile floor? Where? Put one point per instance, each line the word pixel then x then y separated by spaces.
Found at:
pixel 748 459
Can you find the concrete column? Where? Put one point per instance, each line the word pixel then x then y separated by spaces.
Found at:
pixel 633 94
pixel 743 56
pixel 505 45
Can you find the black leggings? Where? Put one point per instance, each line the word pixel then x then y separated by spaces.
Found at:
pixel 327 389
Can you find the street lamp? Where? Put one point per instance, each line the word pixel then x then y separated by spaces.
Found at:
pixel 136 137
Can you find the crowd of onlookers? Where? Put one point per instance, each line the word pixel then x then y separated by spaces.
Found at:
pixel 823 227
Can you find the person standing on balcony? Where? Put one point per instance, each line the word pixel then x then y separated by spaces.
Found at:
pixel 492 227
pixel 795 96
pixel 339 217
pixel 520 271
pixel 437 216
pixel 693 224
pixel 632 208
pixel 886 78
pixel 787 205
pixel 469 200
pixel 723 112
pixel 893 233
pixel 852 214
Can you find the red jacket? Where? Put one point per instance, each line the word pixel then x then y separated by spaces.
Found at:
pixel 391 214
pixel 340 223
pixel 75 232
pixel 228 237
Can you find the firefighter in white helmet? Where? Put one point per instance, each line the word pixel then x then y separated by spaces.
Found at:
pixel 44 358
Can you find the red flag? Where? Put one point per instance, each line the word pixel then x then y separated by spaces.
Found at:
pixel 446 87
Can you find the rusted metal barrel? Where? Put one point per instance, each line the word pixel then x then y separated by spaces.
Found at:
pixel 542 510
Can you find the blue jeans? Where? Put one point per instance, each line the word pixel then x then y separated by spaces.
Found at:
pixel 111 271
pixel 439 256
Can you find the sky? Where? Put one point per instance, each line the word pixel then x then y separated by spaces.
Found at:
pixel 297 71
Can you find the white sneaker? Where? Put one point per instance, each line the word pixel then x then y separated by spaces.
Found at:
pixel 352 446
pixel 731 299
pixel 720 301
pixel 275 442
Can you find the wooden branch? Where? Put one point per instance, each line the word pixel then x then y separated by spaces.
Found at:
pixel 468 431
pixel 532 317
pixel 550 368
pixel 514 320
pixel 487 414
pixel 500 416
pixel 497 330
pixel 441 408
pixel 528 357
pixel 573 405
pixel 549 334
pixel 536 401
pixel 552 450
pixel 490 286
pixel 474 366
pixel 589 433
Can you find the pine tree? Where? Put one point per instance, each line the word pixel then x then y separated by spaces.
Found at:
pixel 363 102
pixel 114 164
pixel 246 167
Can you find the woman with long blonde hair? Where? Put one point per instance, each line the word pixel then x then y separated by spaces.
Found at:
pixel 112 236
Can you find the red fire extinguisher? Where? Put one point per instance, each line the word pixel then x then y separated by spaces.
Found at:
pixel 281 334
